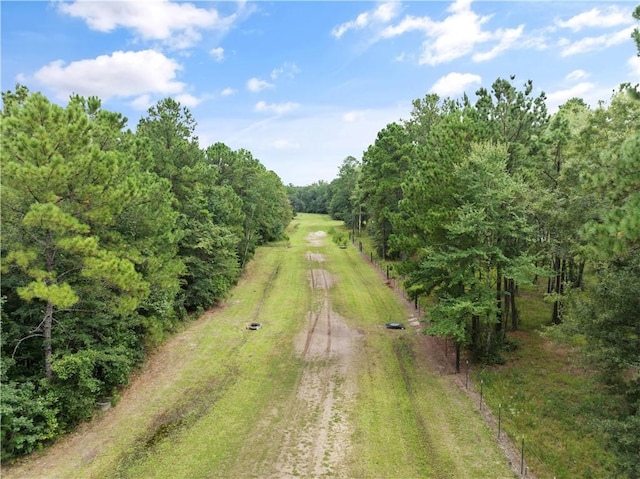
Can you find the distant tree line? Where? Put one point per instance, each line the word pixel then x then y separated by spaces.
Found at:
pixel 110 239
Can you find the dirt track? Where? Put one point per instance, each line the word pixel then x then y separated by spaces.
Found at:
pixel 317 429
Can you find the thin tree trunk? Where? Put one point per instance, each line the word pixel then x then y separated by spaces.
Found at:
pixel 475 332
pixel 499 325
pixel 457 358
pixel 555 317
pixel 506 308
pixel 384 240
pixel 578 281
pixel 246 251
pixel 248 235
pixel 489 342
pixel 514 310
pixel 47 325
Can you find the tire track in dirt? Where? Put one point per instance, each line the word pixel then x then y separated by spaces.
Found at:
pixel 316 430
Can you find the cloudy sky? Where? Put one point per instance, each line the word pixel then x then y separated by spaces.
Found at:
pixel 304 84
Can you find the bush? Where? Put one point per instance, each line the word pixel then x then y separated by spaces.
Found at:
pixel 82 378
pixel 28 419
pixel 339 237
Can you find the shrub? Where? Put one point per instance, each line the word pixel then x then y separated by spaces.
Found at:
pixel 28 419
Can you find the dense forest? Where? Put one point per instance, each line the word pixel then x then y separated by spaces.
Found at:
pixel 110 240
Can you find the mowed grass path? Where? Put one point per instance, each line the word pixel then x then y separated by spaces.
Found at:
pixel 211 403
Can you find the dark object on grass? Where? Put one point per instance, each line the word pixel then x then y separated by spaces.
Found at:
pixel 254 326
pixel 395 326
pixel 343 247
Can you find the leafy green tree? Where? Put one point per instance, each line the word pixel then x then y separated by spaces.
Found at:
pixel 57 185
pixel 560 206
pixel 424 115
pixel 297 205
pixel 429 188
pixel 384 168
pixel 341 205
pixel 467 246
pixel 313 198
pixel 265 207
pixel 108 237
pixel 89 261
pixel 206 244
pixel 515 118
pixel 607 311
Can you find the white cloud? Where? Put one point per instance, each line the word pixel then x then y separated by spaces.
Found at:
pixel 383 13
pixel 228 92
pixel 283 144
pixel 256 84
pixel 350 116
pixel 277 108
pixel 455 83
pixel 408 24
pixel 188 100
pixel 576 75
pixel 175 23
pixel 116 75
pixel 559 97
pixel 143 102
pixel 217 53
pixel 588 44
pixel 21 78
pixel 287 69
pixel 506 39
pixel 611 17
pixel 456 35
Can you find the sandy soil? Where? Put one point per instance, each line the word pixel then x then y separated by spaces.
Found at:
pixel 316 438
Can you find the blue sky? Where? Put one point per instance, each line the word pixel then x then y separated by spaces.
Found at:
pixel 303 85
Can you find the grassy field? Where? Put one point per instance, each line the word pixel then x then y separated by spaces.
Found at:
pixel 545 393
pixel 548 394
pixel 218 400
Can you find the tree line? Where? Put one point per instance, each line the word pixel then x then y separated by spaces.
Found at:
pixel 473 199
pixel 111 239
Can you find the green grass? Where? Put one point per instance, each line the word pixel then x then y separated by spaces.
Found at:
pixel 548 395
pixel 410 422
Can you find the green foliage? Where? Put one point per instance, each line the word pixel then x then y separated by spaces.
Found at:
pixel 612 174
pixel 623 431
pixel 110 238
pixel 29 419
pixel 478 200
pixel 312 198
pixel 384 166
pixel 264 208
pixel 84 377
pixel 342 204
pixel 339 236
